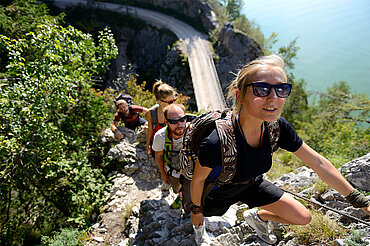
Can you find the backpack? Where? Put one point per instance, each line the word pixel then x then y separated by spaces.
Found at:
pixel 168 147
pixel 200 128
pixel 126 97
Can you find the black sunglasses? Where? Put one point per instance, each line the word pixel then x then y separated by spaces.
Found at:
pixel 175 121
pixel 170 101
pixel 263 89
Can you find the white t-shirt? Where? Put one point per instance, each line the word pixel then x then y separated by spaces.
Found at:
pixel 159 145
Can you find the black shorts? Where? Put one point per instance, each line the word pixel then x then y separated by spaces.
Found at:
pixel 255 194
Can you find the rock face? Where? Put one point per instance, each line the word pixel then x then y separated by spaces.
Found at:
pixel 199 11
pixel 234 49
pixel 146 48
pixel 357 172
pixel 137 209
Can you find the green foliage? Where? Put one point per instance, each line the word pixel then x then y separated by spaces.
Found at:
pixel 19 17
pixel 355 238
pixel 140 95
pixel 250 27
pixel 296 105
pixel 288 53
pixel 336 126
pixel 230 10
pixel 233 8
pixel 269 43
pixel 67 237
pixel 49 121
pixel 283 162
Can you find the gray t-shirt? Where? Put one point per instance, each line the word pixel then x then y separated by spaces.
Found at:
pixel 159 145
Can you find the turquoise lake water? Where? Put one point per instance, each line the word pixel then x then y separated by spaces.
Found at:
pixel 333 36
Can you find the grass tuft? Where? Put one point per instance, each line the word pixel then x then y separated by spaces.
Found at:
pixel 320 231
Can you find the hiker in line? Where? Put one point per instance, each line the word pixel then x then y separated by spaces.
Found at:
pixel 167 145
pixel 259 93
pixel 129 114
pixel 165 95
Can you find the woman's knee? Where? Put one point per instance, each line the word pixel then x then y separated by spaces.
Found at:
pixel 304 218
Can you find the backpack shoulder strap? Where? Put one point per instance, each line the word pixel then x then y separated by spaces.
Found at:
pixel 226 134
pixel 273 128
pixel 153 113
pixel 168 146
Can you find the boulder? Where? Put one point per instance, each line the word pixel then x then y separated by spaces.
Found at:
pixel 357 172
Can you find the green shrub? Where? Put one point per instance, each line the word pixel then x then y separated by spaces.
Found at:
pixel 335 125
pixel 67 237
pixel 354 238
pixel 50 118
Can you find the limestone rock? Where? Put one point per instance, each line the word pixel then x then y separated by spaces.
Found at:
pixel 357 172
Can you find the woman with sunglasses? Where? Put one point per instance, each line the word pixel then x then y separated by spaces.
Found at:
pixel 165 95
pixel 259 93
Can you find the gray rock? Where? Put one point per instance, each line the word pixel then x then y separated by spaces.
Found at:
pixel 199 11
pixel 304 178
pixel 357 172
pixel 140 195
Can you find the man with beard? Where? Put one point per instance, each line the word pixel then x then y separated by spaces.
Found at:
pixel 167 145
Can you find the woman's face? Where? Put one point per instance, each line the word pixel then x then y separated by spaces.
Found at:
pixel 264 108
pixel 167 101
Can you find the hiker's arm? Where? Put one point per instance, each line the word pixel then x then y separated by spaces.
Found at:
pixel 149 133
pixel 145 110
pixel 114 129
pixel 139 109
pixel 327 172
pixel 160 163
pixel 196 190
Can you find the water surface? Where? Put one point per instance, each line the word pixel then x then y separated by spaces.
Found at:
pixel 333 36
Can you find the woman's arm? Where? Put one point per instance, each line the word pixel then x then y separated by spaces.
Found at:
pixel 149 133
pixel 196 190
pixel 327 172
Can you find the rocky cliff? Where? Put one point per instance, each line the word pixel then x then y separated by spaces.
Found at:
pixel 234 49
pixel 197 11
pixel 154 53
pixel 137 210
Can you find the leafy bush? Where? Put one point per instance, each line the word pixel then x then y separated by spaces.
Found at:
pixel 336 126
pixel 140 95
pixel 230 10
pixel 355 238
pixel 67 237
pixel 49 121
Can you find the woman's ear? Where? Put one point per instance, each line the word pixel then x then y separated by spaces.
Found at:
pixel 237 93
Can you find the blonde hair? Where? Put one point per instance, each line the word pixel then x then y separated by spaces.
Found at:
pixel 121 101
pixel 162 90
pixel 172 106
pixel 246 74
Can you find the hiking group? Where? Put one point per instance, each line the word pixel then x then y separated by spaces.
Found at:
pixel 219 158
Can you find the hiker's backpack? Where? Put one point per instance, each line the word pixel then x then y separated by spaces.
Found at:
pixel 125 97
pixel 202 127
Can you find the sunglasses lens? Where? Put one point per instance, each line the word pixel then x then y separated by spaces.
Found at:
pixel 175 121
pixel 169 102
pixel 261 89
pixel 282 90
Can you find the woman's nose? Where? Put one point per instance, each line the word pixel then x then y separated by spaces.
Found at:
pixel 272 95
